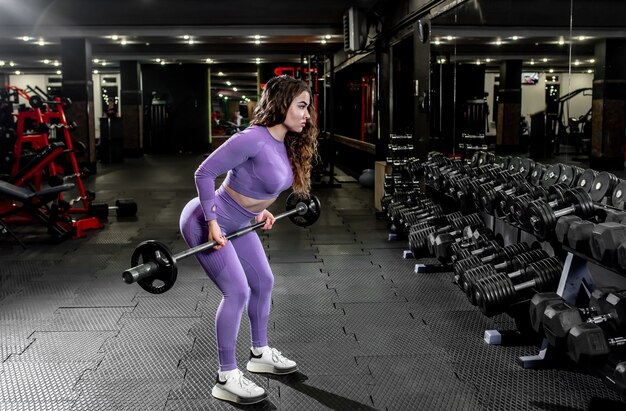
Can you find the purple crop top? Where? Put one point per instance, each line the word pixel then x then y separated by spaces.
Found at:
pixel 257 165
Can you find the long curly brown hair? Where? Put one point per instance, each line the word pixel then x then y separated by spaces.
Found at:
pixel 301 147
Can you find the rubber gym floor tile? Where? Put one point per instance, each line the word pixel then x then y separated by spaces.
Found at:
pixel 202 404
pixel 341 279
pixel 311 392
pixel 364 294
pixel 15 307
pixel 342 249
pixel 124 395
pixel 171 307
pixel 332 357
pixel 348 238
pixel 307 328
pixel 385 254
pixel 411 340
pixel 347 262
pixel 27 406
pixel 303 304
pixel 85 319
pixel 420 383
pixel 306 288
pixel 173 330
pixel 103 297
pixel 138 364
pixel 303 256
pixel 64 347
pixel 360 316
pixel 33 383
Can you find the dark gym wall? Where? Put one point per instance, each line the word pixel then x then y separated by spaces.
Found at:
pixel 185 87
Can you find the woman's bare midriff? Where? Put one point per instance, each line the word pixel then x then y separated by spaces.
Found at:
pixel 251 204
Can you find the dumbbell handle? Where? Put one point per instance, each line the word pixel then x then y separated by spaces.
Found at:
pixel 146 270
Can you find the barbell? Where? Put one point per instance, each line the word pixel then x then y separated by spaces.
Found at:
pixel 154 266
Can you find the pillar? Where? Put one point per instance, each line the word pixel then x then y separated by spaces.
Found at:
pixel 608 106
pixel 132 108
pixel 509 107
pixel 383 81
pixel 422 89
pixel 77 85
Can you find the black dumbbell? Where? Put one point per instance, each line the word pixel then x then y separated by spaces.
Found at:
pixel 588 344
pixel 585 181
pixel 559 317
pixel 603 186
pixel 440 245
pixel 497 293
pixel 518 205
pixel 505 253
pixel 418 240
pixel 515 268
pixel 543 217
pixel 124 208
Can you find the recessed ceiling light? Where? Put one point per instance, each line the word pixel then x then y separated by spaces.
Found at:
pixel 551 70
pixel 59 72
pixel 228 83
pixel 590 71
pixel 186 36
pixel 328 36
pixel 2 63
pixel 96 61
pixel 582 38
pixel 162 62
pixel 515 38
pixel 209 61
pixel 56 63
pixel 561 41
pixel 545 60
pixel 532 62
pixel 18 72
pixel 123 42
pixel 257 37
pixel 487 60
pixel 235 89
pixel 96 72
pixel 46 61
pixel 577 62
pixel 12 64
pixel 592 60
pixel 257 41
pixel 114 37
pixel 41 42
pixel 25 38
pixel 498 42
pixel 258 60
pixel 221 73
pixel 324 41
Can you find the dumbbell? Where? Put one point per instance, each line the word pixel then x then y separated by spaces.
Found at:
pixel 585 181
pixel 518 205
pixel 600 241
pixel 473 246
pixel 440 245
pixel 501 198
pixel 515 268
pixel 589 345
pixel 561 173
pixel 559 317
pixel 495 294
pixel 603 186
pixel 418 240
pixel 543 217
pixel 618 198
pixel 462 265
pixel 124 207
pixel 486 195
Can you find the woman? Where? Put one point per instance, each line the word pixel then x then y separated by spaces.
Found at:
pixel 268 157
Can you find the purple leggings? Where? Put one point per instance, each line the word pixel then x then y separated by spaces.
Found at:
pixel 240 270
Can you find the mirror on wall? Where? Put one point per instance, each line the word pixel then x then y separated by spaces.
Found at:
pixel 480 48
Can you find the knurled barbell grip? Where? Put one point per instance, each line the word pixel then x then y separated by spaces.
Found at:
pixel 146 270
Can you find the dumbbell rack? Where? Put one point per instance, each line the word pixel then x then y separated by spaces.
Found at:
pixel 576 278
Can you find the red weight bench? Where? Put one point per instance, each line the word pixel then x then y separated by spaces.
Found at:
pixel 33 205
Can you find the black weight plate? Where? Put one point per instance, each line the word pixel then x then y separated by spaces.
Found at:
pixel 541 219
pixel 585 181
pixel 536 176
pixel 515 164
pixel 619 195
pixel 603 186
pixel 552 175
pixel 126 207
pixel 527 167
pixel 307 217
pixel 165 277
pixel 567 175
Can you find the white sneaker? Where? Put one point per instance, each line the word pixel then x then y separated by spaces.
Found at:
pixel 271 361
pixel 234 387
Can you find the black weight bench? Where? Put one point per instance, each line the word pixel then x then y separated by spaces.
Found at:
pixel 35 205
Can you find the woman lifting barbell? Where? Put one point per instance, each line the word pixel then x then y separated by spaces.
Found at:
pixel 263 160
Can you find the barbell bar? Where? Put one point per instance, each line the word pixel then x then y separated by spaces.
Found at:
pixel 158 262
